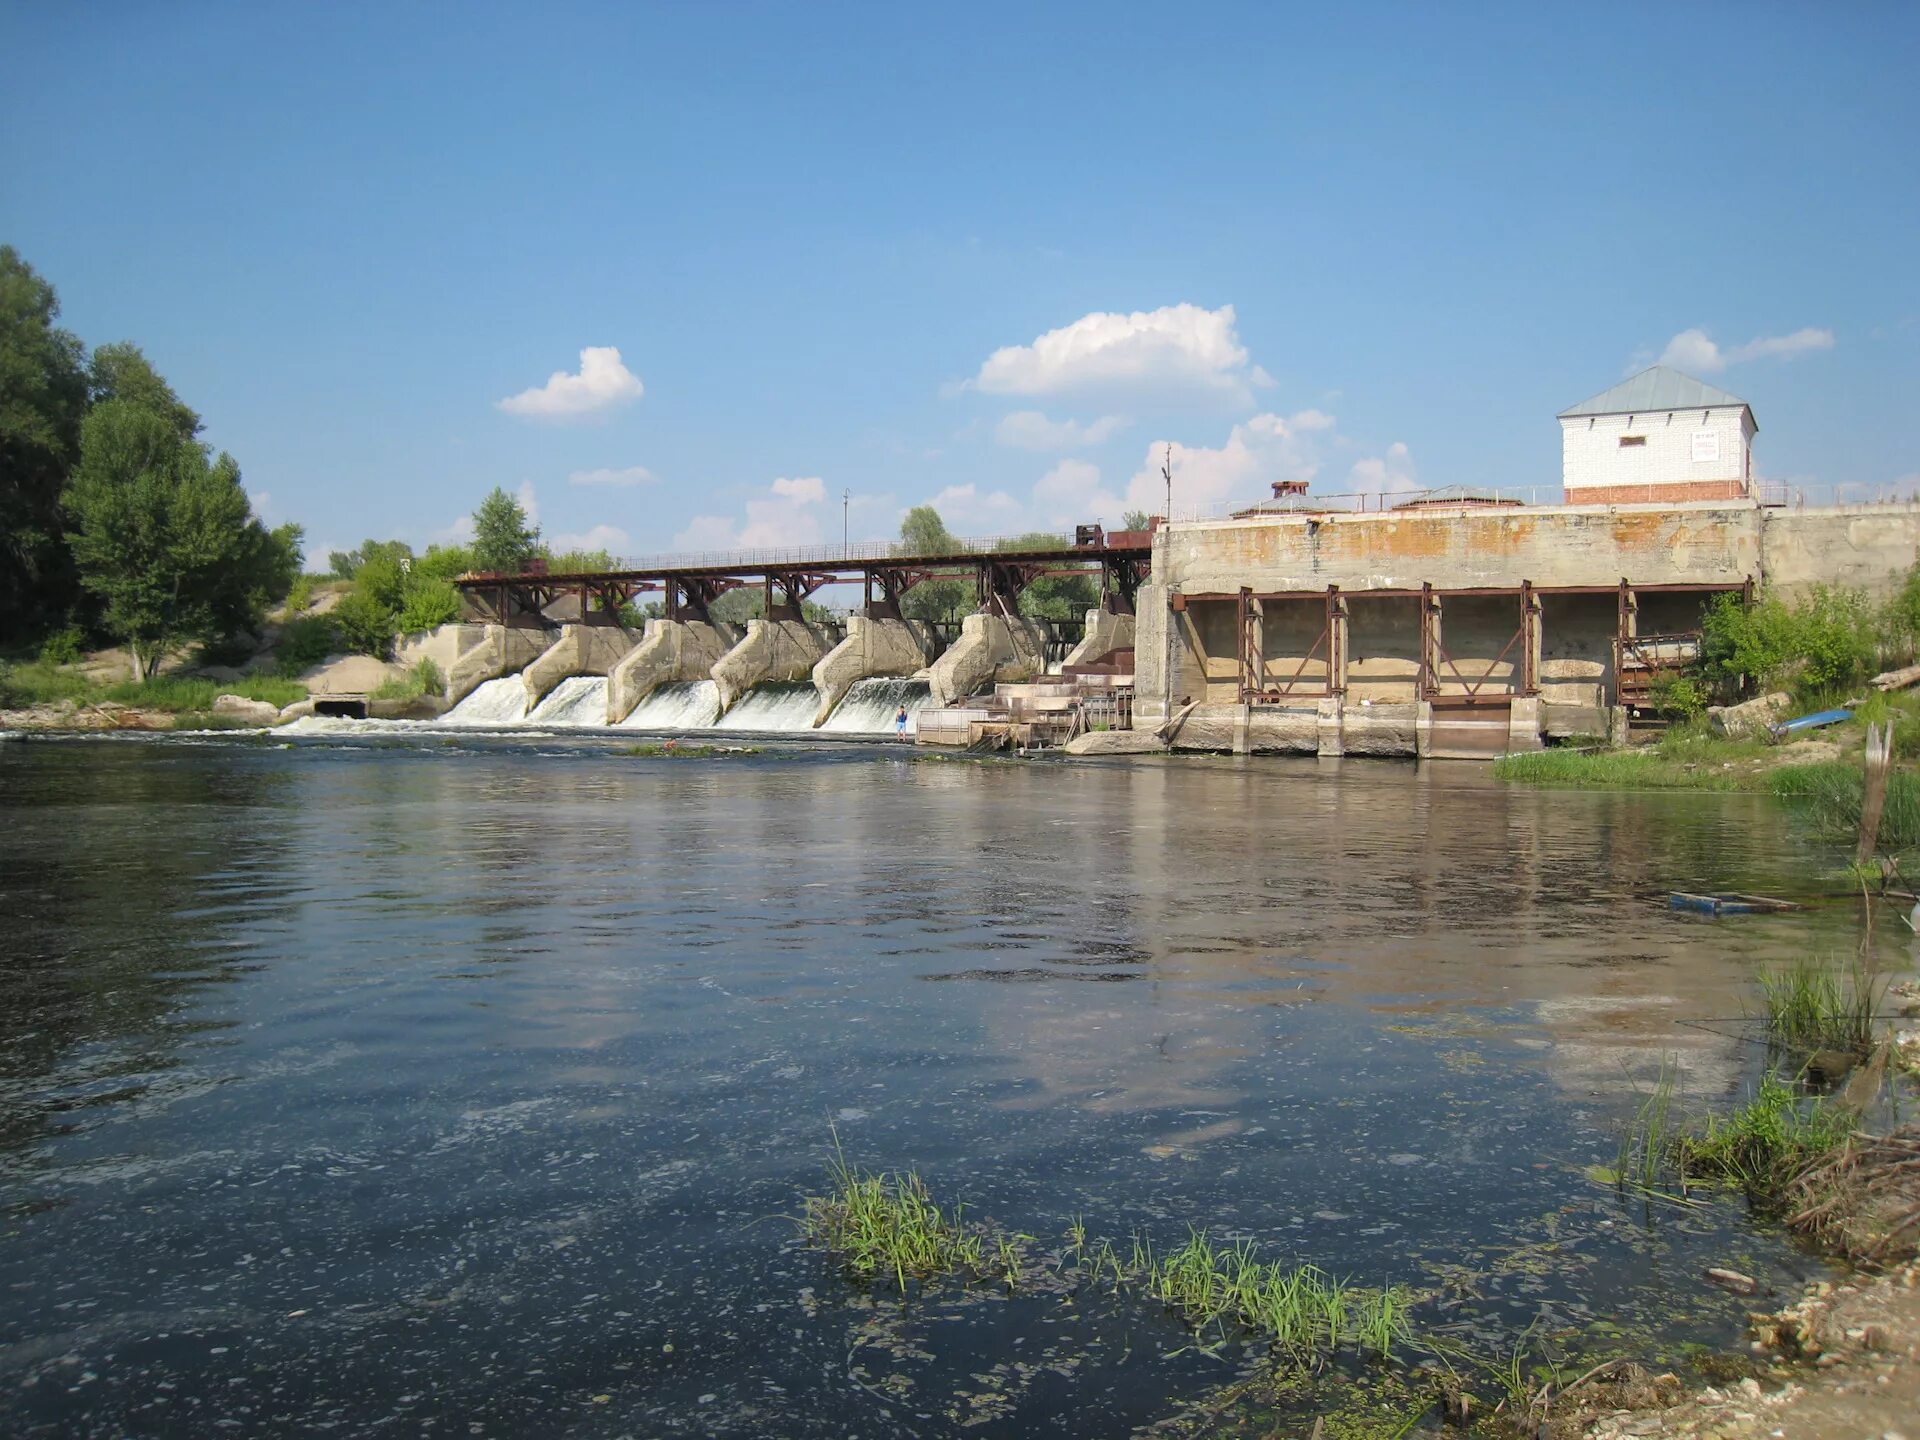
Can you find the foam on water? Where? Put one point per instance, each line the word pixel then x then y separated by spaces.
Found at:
pixel 683 705
pixel 498 702
pixel 781 705
pixel 580 700
pixel 869 707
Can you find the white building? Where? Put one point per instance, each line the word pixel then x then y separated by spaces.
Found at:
pixel 1659 436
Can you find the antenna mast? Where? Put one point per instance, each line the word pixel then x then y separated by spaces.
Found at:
pixel 1166 474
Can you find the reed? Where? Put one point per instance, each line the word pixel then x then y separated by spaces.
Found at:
pixel 1810 1006
pixel 1648 1146
pixel 888 1224
pixel 1767 1143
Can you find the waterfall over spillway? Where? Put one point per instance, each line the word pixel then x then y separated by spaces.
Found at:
pixel 581 700
pixel 781 705
pixel 683 705
pixel 498 702
pixel 869 707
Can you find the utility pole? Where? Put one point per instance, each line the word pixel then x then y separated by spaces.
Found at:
pixel 846 507
pixel 1166 474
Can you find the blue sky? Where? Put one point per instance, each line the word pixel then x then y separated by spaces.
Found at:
pixel 990 256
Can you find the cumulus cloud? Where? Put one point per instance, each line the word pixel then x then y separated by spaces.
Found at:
pixel 1031 430
pixel 1696 350
pixel 967 508
pixel 529 502
pixel 627 475
pixel 610 538
pixel 601 384
pixel 1181 346
pixel 783 516
pixel 1389 474
pixel 1071 494
pixel 1257 452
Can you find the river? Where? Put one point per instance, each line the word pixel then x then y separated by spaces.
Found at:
pixel 463 1085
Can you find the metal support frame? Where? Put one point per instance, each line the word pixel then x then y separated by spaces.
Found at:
pixel 689 596
pixel 796 586
pixel 1254 688
pixel 1434 657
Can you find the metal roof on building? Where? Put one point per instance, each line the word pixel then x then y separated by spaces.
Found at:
pixel 1655 388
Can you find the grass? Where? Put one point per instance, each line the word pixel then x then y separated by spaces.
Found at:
pixel 40 683
pixel 887 1224
pixel 1830 794
pixel 1811 1007
pixel 695 752
pixel 1695 767
pixel 180 693
pixel 1649 1143
pixel 423 679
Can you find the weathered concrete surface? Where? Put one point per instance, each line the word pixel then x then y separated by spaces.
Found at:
pixel 770 650
pixel 872 648
pixel 351 675
pixel 1526 721
pixel 443 645
pixel 1106 633
pixel 417 707
pixel 1749 717
pixel 1117 742
pixel 669 650
pixel 499 650
pixel 1564 721
pixel 580 650
pixel 299 710
pixel 254 712
pixel 1383 729
pixel 990 648
pixel 1869 546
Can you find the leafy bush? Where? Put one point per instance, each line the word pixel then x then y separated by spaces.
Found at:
pixel 40 684
pixel 305 642
pixel 1820 648
pixel 1900 619
pixel 427 604
pixel 1679 695
pixel 1837 639
pixel 299 594
pixel 424 679
pixel 64 646
pixel 364 624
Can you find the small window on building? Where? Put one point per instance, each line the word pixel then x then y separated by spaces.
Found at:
pixel 1626 440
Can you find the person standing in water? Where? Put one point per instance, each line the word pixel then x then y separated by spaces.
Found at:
pixel 900 723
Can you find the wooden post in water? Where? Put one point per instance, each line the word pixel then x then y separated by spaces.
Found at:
pixel 1873 797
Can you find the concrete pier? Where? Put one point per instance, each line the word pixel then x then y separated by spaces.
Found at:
pixel 580 650
pixel 770 650
pixel 874 648
pixel 1106 633
pixel 991 648
pixel 470 655
pixel 669 651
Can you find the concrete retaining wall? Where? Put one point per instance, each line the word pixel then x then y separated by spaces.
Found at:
pixel 1870 546
pixel 580 650
pixel 770 650
pixel 669 650
pixel 991 648
pixel 443 645
pixel 872 648
pixel 1106 633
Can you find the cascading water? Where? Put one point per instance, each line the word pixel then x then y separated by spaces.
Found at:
pixel 869 707
pixel 787 705
pixel 580 700
pixel 498 702
pixel 683 705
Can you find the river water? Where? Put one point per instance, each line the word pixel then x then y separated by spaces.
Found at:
pixel 461 1086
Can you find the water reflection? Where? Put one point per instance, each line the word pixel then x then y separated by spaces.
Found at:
pixel 375 1084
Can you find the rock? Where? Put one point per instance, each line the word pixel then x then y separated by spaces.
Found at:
pixel 254 712
pixel 1733 1280
pixel 1116 742
pixel 299 710
pixel 349 675
pixel 1750 717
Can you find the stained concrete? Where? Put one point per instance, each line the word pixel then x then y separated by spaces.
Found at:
pixel 498 650
pixel 1116 742
pixel 443 645
pixel 991 648
pixel 669 651
pixel 1106 633
pixel 770 650
pixel 873 648
pixel 580 650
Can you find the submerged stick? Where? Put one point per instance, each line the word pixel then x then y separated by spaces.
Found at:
pixel 1873 798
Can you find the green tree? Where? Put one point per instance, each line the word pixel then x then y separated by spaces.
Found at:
pixel 923 532
pixel 166 537
pixel 1136 520
pixel 43 398
pixel 503 541
pixel 122 372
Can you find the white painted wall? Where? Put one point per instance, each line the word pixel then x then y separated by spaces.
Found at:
pixel 1680 447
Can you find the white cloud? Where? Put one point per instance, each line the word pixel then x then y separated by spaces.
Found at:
pixel 1071 494
pixel 968 509
pixel 1180 346
pixel 1696 350
pixel 783 517
pixel 807 490
pixel 1031 430
pixel 601 384
pixel 1389 474
pixel 529 502
pixel 610 538
pixel 629 475
pixel 1257 452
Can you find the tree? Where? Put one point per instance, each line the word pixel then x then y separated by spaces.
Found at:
pixel 43 398
pixel 1136 520
pixel 503 541
pixel 122 372
pixel 923 532
pixel 166 537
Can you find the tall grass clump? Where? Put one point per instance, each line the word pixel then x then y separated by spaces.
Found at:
pixel 181 693
pixel 888 1224
pixel 1302 1310
pixel 1767 1143
pixel 40 683
pixel 1648 1146
pixel 1830 795
pixel 1811 1006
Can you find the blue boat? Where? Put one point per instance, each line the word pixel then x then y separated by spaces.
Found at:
pixel 1809 722
pixel 1728 904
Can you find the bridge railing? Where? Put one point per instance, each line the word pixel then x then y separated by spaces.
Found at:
pixel 845 553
